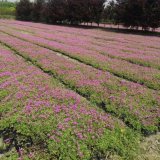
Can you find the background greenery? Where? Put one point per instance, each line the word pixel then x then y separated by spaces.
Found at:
pixel 7 10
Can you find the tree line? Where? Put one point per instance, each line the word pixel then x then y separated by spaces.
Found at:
pixel 133 14
pixel 61 11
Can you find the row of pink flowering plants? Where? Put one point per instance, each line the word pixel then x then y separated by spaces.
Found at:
pixel 45 120
pixel 116 46
pixel 70 93
pixel 108 57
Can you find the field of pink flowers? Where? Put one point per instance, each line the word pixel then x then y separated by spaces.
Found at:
pixel 74 93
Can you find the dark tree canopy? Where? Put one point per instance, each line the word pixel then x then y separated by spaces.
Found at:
pixel 109 12
pixel 23 10
pixel 61 11
pixel 133 14
pixel 137 13
pixel 37 9
pixel 55 11
pixel 96 8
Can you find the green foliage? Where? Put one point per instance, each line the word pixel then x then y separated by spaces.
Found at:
pixel 127 151
pixel 134 14
pixel 3 93
pixel 61 11
pixel 7 10
pixel 32 136
pixel 24 10
pixel 7 4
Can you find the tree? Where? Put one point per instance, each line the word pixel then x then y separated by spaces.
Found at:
pixel 109 12
pixel 96 7
pixel 37 10
pixel 151 14
pixel 55 11
pixel 129 12
pixel 23 10
pixel 85 10
pixel 77 11
pixel 138 13
pixel 60 11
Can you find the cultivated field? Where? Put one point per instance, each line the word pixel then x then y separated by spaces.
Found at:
pixel 76 93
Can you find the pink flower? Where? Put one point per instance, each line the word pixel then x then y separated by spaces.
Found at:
pixel 67 119
pixel 31 155
pixel 19 95
pixel 57 109
pixel 28 109
pixel 75 123
pixel 79 135
pixel 61 127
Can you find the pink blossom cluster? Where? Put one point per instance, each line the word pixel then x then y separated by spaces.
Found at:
pixel 127 48
pixel 40 103
pixel 99 86
pixel 136 73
